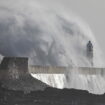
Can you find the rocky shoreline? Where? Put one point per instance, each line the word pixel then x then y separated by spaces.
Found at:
pixel 50 96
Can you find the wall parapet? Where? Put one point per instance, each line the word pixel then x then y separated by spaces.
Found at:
pixel 21 64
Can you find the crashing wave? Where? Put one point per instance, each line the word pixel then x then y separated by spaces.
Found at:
pixel 49 38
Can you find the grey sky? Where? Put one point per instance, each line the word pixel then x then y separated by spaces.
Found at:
pixel 92 11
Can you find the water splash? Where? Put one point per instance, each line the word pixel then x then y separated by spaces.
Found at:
pixel 46 36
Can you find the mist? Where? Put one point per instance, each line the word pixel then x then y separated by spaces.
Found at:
pixel 48 36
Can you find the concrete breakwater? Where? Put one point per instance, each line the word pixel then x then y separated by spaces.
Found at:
pixel 18 87
pixel 16 74
pixel 19 65
pixel 65 70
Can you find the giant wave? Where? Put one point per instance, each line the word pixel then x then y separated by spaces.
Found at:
pixel 49 38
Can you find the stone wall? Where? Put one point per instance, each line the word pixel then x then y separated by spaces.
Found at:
pixel 14 75
pixel 13 67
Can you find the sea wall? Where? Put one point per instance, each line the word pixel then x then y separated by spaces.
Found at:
pixel 12 65
pixel 65 70
pixel 14 75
